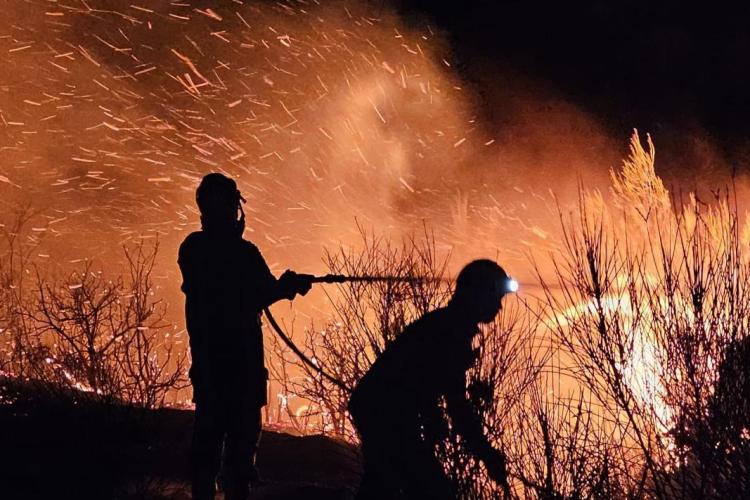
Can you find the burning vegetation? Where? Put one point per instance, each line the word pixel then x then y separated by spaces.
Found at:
pixel 622 375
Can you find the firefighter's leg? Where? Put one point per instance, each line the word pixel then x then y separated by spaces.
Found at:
pixel 241 446
pixel 208 433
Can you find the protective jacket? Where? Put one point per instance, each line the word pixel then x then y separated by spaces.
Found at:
pixel 426 362
pixel 227 283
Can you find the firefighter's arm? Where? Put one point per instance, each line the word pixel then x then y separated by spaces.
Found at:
pixel 291 284
pixel 287 287
pixel 469 425
pixel 191 286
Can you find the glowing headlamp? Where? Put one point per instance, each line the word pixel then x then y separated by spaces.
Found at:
pixel 511 285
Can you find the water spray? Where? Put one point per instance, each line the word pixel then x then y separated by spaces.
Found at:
pixel 510 285
pixel 342 278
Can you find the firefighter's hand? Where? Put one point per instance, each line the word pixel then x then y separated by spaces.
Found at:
pixel 292 283
pixel 496 468
pixel 304 283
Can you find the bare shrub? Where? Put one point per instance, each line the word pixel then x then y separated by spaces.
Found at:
pixel 561 449
pixel 366 317
pixel 104 337
pixel 17 244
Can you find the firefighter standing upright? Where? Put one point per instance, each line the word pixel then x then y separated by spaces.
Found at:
pixel 227 283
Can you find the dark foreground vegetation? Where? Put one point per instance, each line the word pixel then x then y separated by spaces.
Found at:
pixel 62 446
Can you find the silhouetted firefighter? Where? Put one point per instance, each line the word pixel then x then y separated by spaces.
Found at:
pixel 396 405
pixel 227 284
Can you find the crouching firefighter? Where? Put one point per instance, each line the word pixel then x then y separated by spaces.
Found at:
pixel 227 283
pixel 396 407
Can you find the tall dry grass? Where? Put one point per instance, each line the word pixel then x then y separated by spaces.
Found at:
pixel 623 378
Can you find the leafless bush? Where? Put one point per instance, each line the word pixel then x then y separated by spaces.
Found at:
pixel 366 317
pixel 104 337
pixel 560 449
pixel 17 244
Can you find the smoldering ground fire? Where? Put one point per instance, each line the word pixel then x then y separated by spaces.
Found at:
pixel 349 130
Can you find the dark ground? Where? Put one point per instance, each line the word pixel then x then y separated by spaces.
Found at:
pixel 63 447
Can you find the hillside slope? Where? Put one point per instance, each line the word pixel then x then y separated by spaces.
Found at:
pixel 63 446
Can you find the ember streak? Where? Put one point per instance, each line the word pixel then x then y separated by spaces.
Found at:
pixel 110 113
